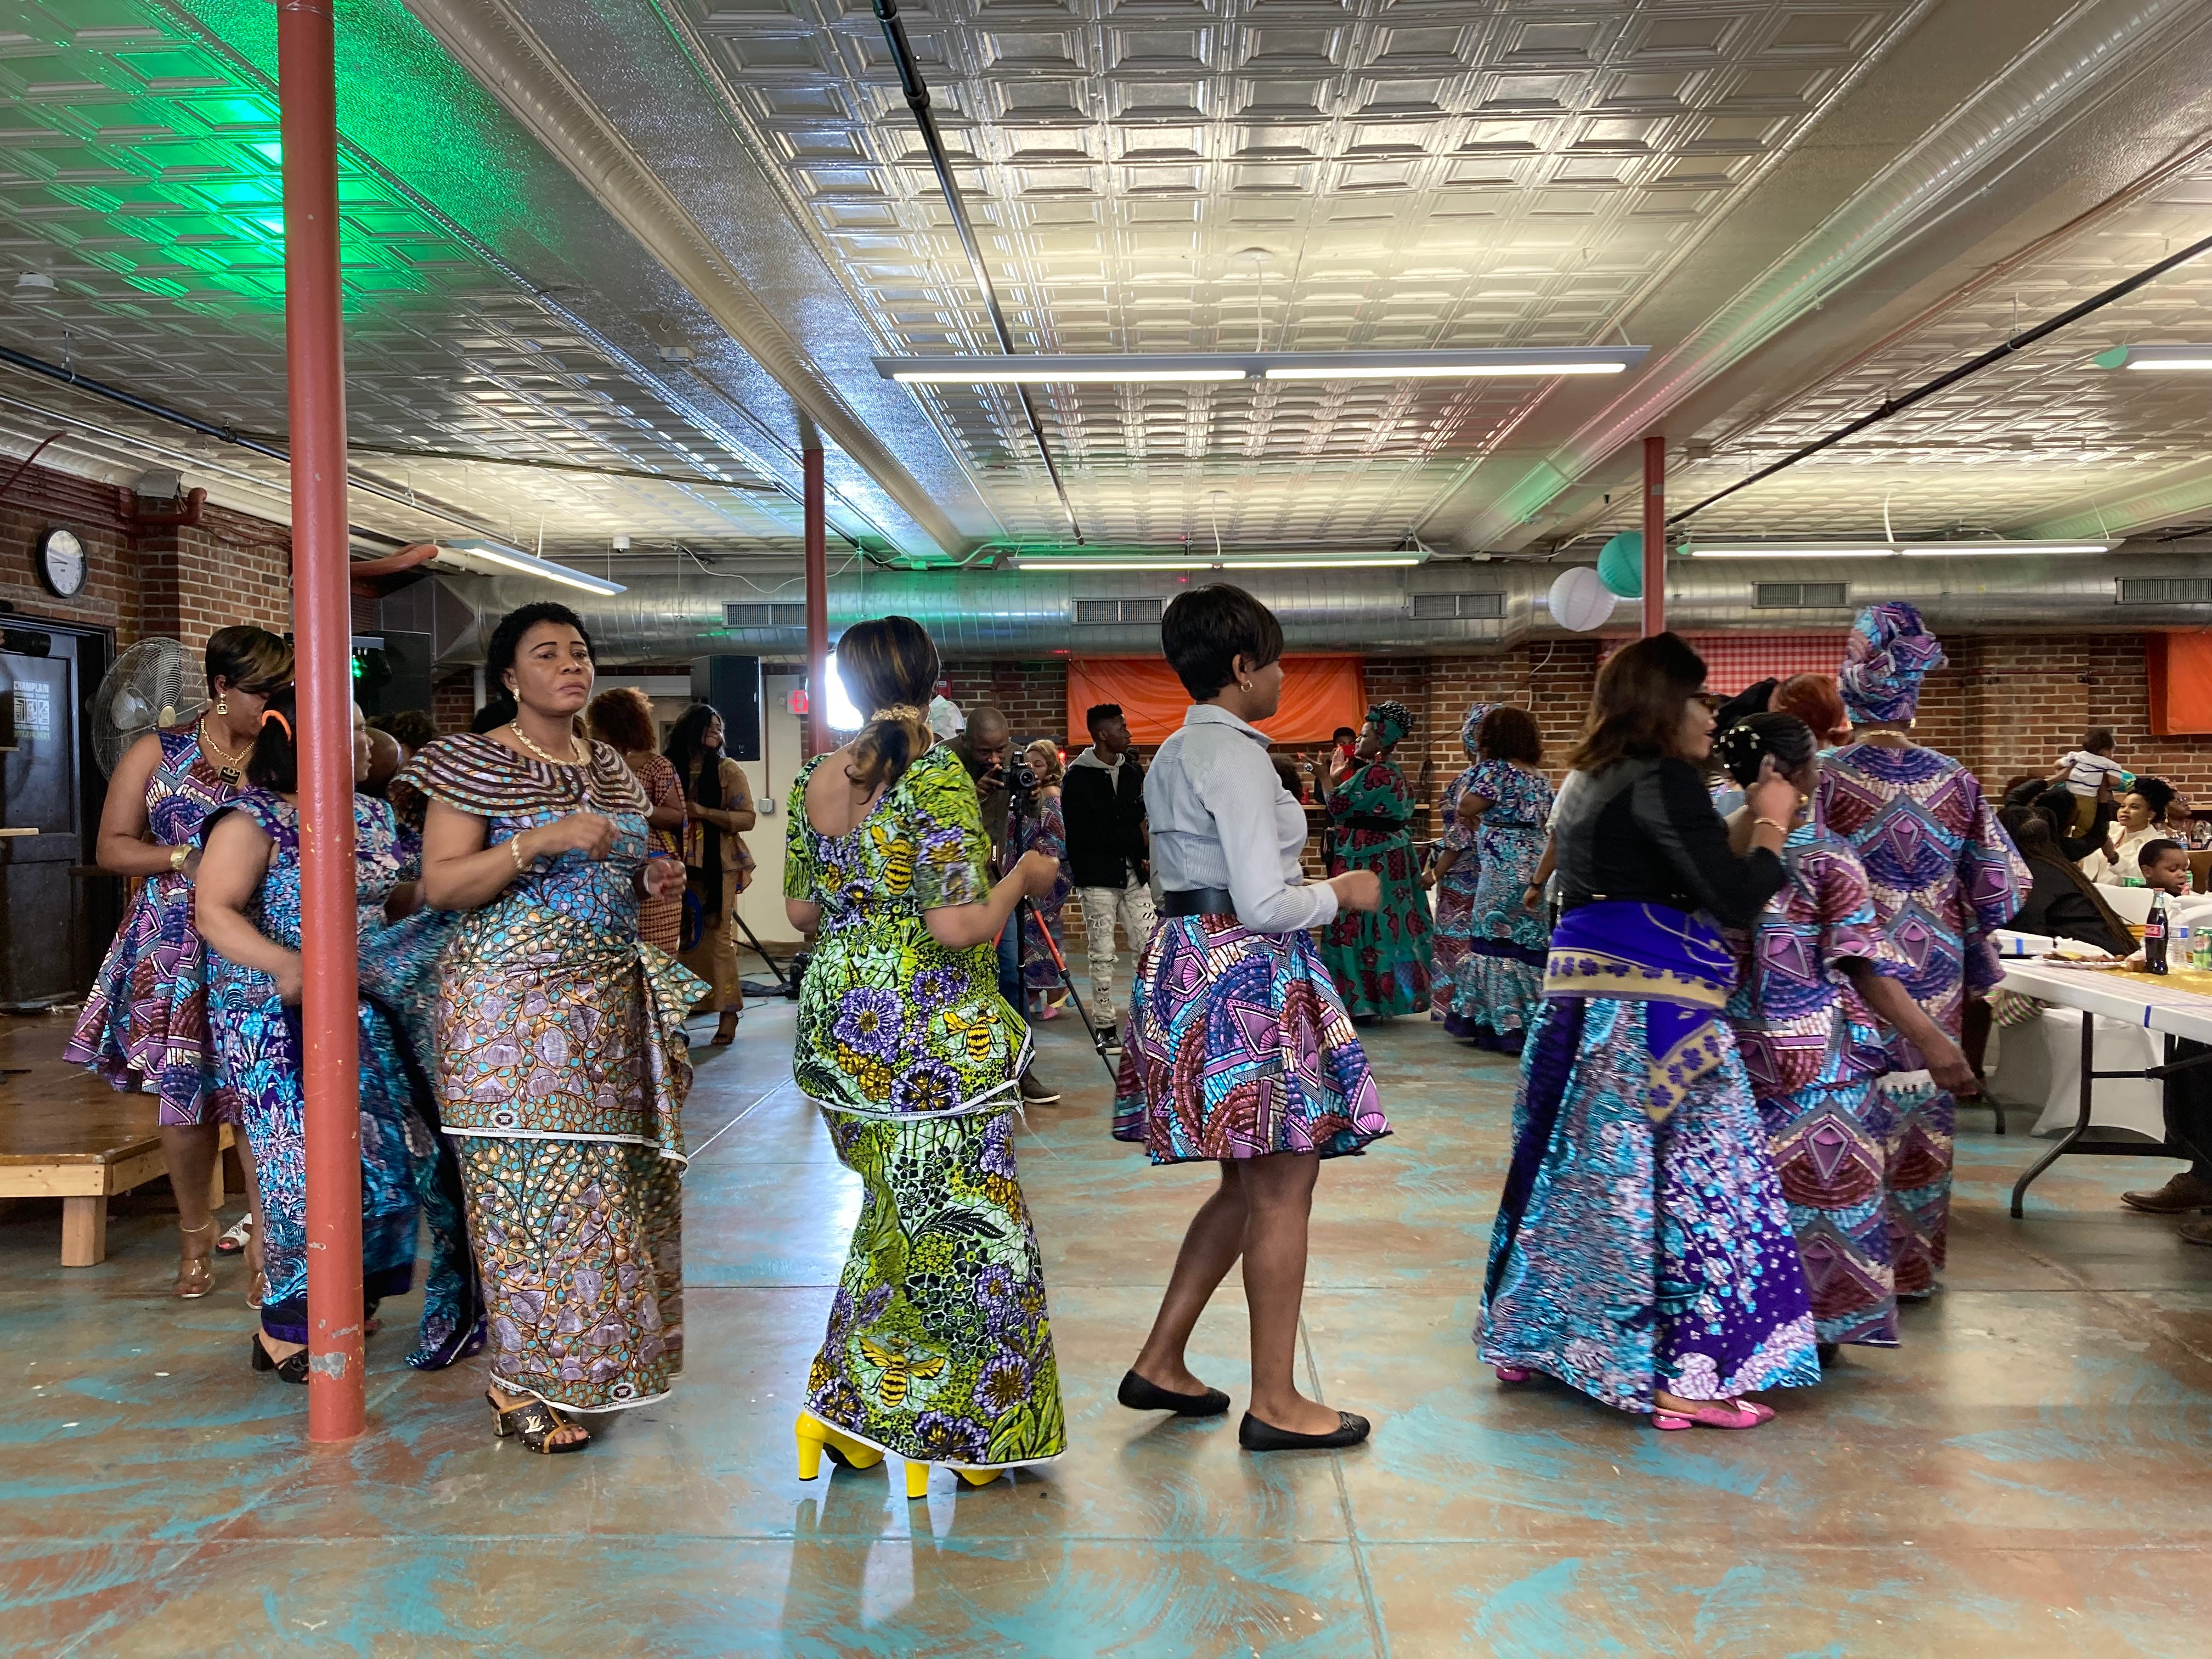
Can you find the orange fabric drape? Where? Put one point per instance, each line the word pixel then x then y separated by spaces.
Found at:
pixel 2180 668
pixel 1319 694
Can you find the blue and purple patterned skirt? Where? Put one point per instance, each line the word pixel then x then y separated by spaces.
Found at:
pixel 1237 1046
pixel 1634 1252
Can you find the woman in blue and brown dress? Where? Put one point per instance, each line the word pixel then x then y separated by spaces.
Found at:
pixel 144 1026
pixel 940 1344
pixel 247 907
pixel 561 1065
pixel 1380 961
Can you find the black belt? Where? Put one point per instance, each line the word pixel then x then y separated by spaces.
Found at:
pixel 1376 822
pixel 1200 902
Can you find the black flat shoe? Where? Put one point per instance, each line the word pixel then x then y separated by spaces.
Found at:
pixel 1254 1435
pixel 1140 1396
pixel 294 1369
pixel 1828 1354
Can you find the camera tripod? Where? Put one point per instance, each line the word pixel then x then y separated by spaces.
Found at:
pixel 1098 1038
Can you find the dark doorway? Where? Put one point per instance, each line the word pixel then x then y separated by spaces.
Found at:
pixel 57 912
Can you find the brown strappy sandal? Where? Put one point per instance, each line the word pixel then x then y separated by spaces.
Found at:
pixel 535 1422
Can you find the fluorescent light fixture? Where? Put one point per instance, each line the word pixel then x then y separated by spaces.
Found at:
pixel 1781 551
pixel 1222 561
pixel 2156 357
pixel 836 703
pixel 1988 548
pixel 1136 368
pixel 527 564
pixel 1982 547
pixel 1448 365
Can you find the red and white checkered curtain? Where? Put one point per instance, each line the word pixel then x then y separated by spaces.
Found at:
pixel 1736 661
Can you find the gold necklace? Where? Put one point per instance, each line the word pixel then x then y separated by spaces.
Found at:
pixel 229 772
pixel 522 737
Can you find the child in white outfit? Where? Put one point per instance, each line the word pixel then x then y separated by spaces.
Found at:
pixel 2087 772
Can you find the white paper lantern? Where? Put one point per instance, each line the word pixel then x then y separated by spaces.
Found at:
pixel 1580 600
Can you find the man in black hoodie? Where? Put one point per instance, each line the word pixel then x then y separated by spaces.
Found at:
pixel 1103 799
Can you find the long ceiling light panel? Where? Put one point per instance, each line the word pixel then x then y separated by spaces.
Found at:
pixel 1217 562
pixel 1980 548
pixel 1092 368
pixel 467 554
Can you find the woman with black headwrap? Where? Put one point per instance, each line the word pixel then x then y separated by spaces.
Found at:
pixel 1380 961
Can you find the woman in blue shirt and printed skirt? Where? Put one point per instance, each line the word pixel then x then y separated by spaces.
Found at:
pixel 1238 1048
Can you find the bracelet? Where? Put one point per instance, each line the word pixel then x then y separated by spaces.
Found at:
pixel 179 856
pixel 514 851
pixel 1771 825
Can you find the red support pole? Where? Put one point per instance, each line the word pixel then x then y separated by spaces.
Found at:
pixel 1655 535
pixel 322 627
pixel 818 740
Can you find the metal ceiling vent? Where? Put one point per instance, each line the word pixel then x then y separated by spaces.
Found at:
pixel 1800 596
pixel 2164 590
pixel 1117 610
pixel 758 614
pixel 1457 607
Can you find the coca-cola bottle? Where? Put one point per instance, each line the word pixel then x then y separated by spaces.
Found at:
pixel 2154 936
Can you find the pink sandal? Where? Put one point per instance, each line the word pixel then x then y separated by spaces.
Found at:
pixel 1713 1414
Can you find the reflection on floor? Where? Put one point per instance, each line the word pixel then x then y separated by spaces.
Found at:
pixel 2032 1473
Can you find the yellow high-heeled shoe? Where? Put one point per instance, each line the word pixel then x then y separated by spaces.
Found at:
pixel 815 1437
pixel 917 1479
pixel 979 1477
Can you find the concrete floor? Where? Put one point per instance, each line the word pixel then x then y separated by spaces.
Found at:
pixel 2032 1473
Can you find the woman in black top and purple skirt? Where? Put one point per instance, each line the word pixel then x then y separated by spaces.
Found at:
pixel 1642 1251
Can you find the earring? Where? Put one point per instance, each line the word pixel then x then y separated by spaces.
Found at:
pixel 221 706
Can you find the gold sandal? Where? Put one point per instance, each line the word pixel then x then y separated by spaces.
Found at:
pixel 195 1274
pixel 535 1422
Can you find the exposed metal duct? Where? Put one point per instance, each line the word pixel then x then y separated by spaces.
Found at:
pixel 1447 608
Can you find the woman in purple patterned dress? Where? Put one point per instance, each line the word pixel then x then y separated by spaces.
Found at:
pixel 1945 876
pixel 1455 867
pixel 1815 972
pixel 1500 980
pixel 144 1025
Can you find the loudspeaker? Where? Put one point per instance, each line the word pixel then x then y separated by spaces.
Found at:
pixel 732 684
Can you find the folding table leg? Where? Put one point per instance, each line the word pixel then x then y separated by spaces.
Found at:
pixel 2080 1121
pixel 84 1231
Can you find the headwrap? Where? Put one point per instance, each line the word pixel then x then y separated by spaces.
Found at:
pixel 1391 721
pixel 1889 653
pixel 1470 726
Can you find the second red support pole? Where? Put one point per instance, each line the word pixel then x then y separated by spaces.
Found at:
pixel 322 627
pixel 818 740
pixel 1654 536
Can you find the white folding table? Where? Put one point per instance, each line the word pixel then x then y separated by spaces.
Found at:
pixel 2142 1000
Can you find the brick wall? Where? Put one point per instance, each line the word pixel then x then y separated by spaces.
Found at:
pixel 1034 695
pixel 453 701
pixel 182 583
pixel 42 499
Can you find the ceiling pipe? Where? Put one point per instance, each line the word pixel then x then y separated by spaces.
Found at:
pixel 917 100
pixel 1034 614
pixel 1997 354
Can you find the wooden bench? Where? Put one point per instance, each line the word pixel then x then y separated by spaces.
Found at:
pixel 65 1134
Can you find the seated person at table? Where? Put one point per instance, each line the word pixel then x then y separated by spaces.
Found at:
pixel 2062 902
pixel 2188 1093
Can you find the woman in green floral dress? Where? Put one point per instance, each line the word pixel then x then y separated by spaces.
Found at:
pixel 939 1348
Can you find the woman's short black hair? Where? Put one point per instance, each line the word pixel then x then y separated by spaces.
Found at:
pixel 507 638
pixel 1752 739
pixel 2157 792
pixel 251 658
pixel 410 728
pixel 1508 733
pixel 1206 629
pixel 274 760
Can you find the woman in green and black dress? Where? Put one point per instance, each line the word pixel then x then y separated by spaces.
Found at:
pixel 938 1347
pixel 1379 960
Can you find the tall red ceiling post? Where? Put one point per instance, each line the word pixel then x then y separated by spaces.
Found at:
pixel 1655 535
pixel 818 741
pixel 322 627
